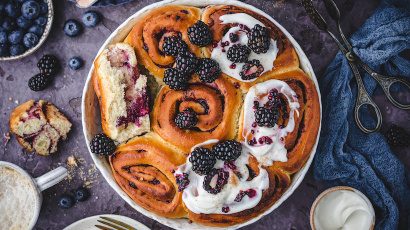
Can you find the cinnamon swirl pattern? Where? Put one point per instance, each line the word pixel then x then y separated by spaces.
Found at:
pixel 231 122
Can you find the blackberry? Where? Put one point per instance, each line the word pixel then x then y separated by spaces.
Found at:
pixel 186 64
pixel 202 160
pixel 208 70
pixel 397 136
pixel 221 181
pixel 238 53
pixel 182 181
pixel 259 39
pixel 175 79
pixel 199 34
pixel 101 144
pixel 38 82
pixel 251 70
pixel 173 45
pixel 186 119
pixel 48 64
pixel 233 37
pixel 266 117
pixel 228 150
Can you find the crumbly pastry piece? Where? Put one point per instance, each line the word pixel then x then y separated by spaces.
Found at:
pixel 39 126
pixel 122 93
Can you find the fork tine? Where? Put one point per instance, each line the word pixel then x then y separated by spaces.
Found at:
pixel 111 225
pixel 102 227
pixel 120 223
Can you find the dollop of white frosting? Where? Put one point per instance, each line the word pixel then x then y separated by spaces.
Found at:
pixel 343 209
pixel 266 59
pixel 275 151
pixel 198 200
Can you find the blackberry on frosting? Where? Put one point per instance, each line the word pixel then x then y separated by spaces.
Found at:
pixel 266 117
pixel 222 177
pixel 202 160
pixel 251 70
pixel 208 70
pixel 259 39
pixel 228 150
pixel 238 53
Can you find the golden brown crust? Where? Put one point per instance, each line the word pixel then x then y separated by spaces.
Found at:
pixel 148 33
pixel 17 113
pixel 96 79
pixel 221 99
pixel 143 168
pixel 287 59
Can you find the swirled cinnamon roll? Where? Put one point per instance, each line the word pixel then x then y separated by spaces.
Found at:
pixel 215 105
pixel 143 168
pixel 151 32
pixel 232 25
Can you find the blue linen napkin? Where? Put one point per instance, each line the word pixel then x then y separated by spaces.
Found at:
pixel 347 156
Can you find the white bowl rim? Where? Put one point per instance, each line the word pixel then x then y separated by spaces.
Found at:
pixel 184 223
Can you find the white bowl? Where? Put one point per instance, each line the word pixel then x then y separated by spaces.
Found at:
pixel 42 39
pixel 92 125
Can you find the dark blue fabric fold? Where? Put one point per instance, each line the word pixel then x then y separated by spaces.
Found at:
pixel 347 156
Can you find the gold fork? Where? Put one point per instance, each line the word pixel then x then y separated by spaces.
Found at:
pixel 112 224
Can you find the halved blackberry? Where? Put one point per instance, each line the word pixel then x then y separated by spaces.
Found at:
pixel 186 64
pixel 186 119
pixel 173 45
pixel 266 117
pixel 39 82
pixel 202 160
pixel 101 144
pixel 228 150
pixel 238 53
pixel 251 70
pixel 397 136
pixel 175 79
pixel 48 64
pixel 259 39
pixel 208 70
pixel 221 180
pixel 199 34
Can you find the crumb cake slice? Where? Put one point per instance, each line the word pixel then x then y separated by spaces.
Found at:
pixel 39 126
pixel 122 93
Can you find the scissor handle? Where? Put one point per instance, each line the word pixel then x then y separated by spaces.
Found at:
pixel 363 98
pixel 386 83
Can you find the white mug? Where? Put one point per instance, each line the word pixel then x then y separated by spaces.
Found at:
pixel 40 183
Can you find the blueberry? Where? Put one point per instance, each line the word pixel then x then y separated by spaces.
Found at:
pixel 4 50
pixel 41 21
pixel 23 22
pixel 82 194
pixel 75 63
pixel 30 40
pixel 66 201
pixel 8 24
pixel 30 9
pixel 16 49
pixel 3 37
pixel 16 37
pixel 91 18
pixel 72 28
pixel 12 9
pixel 36 29
pixel 43 8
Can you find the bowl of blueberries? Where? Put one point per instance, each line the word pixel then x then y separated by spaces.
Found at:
pixel 24 26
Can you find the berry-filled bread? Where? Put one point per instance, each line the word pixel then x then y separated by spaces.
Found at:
pixel 233 118
pixel 122 93
pixel 39 126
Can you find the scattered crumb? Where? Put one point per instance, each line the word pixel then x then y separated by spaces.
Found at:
pixel 10 98
pixel 16 102
pixel 79 169
pixel 71 161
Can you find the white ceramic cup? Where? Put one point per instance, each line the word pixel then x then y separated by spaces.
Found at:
pixel 40 184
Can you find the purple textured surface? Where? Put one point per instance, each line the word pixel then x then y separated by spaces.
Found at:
pixel 66 90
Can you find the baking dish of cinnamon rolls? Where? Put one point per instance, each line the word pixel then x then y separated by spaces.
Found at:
pixel 215 110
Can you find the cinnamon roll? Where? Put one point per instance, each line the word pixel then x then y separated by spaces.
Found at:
pixel 216 106
pixel 150 32
pixel 143 168
pixel 232 25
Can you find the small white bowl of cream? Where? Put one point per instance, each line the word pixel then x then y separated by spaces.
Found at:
pixel 342 207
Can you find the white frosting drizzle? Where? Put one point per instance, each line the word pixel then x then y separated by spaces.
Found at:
pixel 198 200
pixel 266 59
pixel 276 151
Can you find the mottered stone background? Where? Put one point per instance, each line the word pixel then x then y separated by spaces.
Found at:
pixel 65 93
